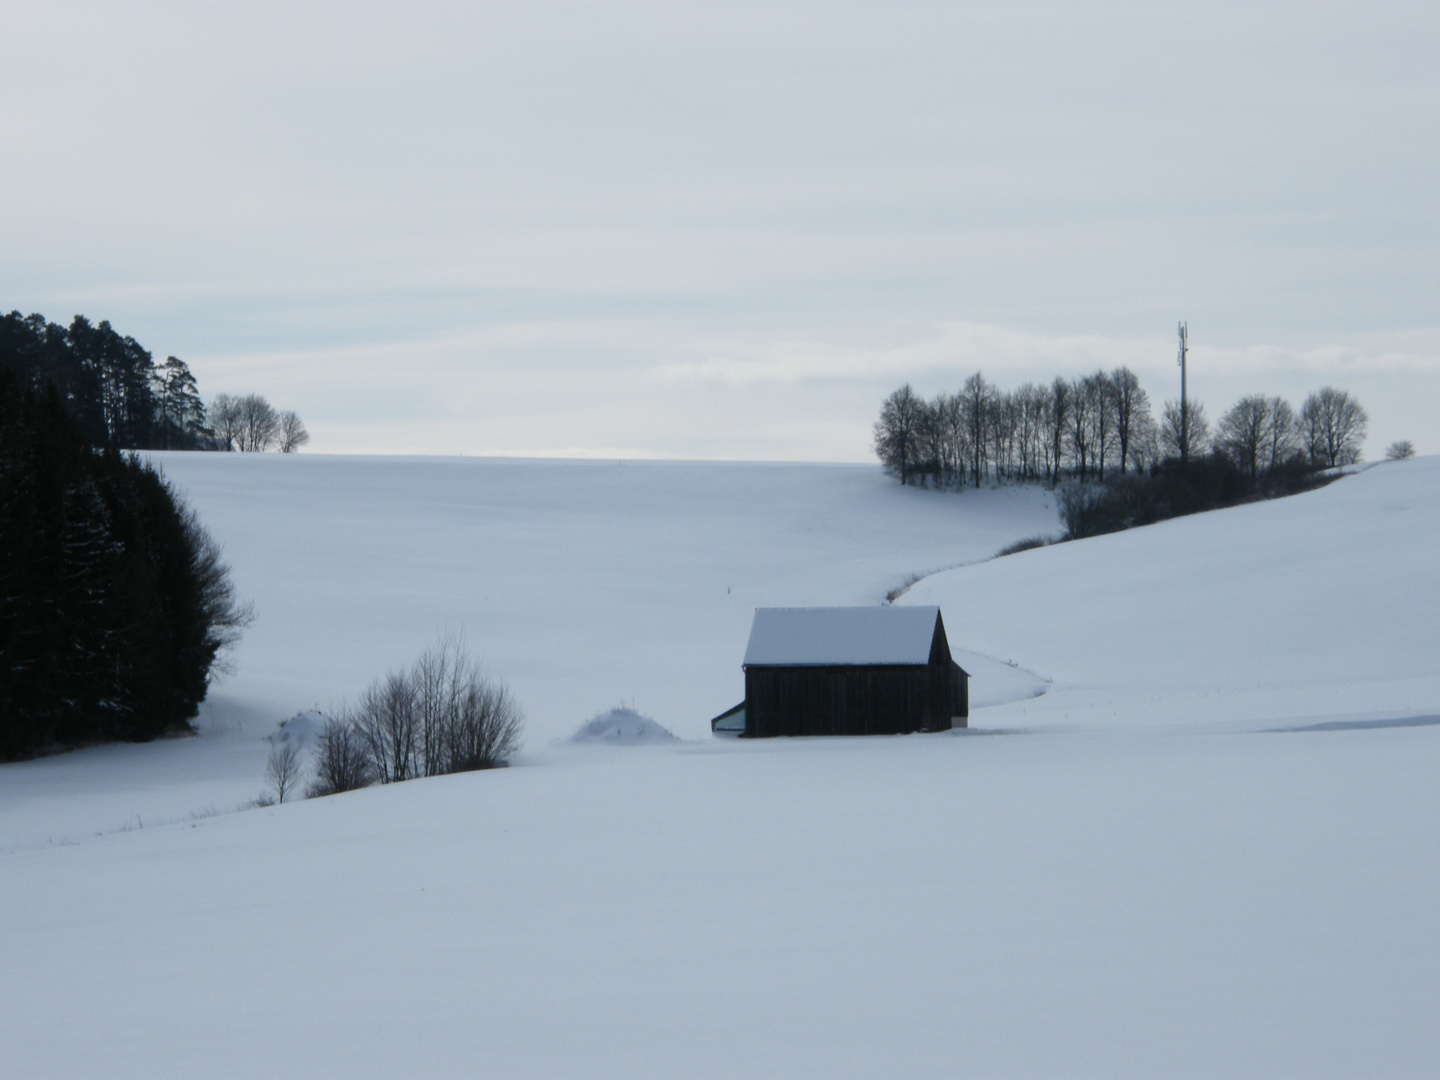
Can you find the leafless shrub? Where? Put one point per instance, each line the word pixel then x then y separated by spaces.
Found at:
pixel 442 715
pixel 283 769
pixel 468 721
pixel 1399 451
pixel 439 716
pixel 341 763
pixel 1022 545
pixel 483 730
pixel 1076 500
pixel 386 722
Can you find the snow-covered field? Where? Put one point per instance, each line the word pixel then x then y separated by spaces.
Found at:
pixel 1207 848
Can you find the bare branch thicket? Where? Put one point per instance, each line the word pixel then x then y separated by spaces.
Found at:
pixel 442 715
pixel 386 722
pixel 341 763
pixel 1400 450
pixel 291 433
pixel 466 721
pixel 283 768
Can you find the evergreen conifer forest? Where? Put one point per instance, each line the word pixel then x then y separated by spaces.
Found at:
pixel 115 605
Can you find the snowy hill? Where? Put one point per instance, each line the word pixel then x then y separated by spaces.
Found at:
pixel 579 583
pixel 1205 849
pixel 1318 605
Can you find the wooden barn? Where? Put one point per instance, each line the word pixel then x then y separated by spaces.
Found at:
pixel 848 671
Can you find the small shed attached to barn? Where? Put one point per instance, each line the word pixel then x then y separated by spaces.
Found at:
pixel 849 671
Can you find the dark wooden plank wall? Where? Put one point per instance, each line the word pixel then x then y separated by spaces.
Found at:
pixel 862 700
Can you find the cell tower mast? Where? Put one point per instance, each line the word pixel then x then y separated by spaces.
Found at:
pixel 1184 405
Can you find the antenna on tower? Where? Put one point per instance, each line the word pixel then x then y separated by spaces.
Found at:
pixel 1184 405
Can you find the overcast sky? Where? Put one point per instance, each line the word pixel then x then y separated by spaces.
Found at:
pixel 727 231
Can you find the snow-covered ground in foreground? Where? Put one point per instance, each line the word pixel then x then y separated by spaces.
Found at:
pixel 1207 849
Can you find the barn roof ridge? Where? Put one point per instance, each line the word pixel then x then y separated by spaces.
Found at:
pixel 873 635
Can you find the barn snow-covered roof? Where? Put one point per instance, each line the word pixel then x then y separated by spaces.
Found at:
pixel 846 635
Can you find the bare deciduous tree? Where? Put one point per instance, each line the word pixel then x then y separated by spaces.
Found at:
pixel 468 721
pixel 1333 426
pixel 1133 423
pixel 226 420
pixel 977 401
pixel 897 433
pixel 1399 451
pixel 1281 441
pixel 1056 419
pixel 258 424
pixel 1174 433
pixel 1242 434
pixel 283 768
pixel 1082 403
pixel 386 722
pixel 341 763
pixel 949 425
pixel 291 434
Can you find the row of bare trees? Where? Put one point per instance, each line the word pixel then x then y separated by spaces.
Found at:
pixel 441 715
pixel 1036 432
pixel 1259 433
pixel 1096 425
pixel 250 423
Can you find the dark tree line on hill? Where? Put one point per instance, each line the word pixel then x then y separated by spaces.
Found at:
pixel 1097 438
pixel 115 605
pixel 1100 426
pixel 118 396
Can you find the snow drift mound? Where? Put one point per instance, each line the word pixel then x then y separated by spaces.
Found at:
pixel 622 727
pixel 300 728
